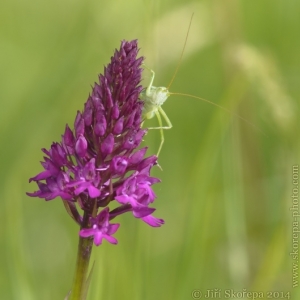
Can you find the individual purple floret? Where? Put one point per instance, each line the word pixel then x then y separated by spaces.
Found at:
pixel 99 161
pixel 101 229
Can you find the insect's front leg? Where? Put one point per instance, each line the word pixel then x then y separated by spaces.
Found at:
pixel 148 90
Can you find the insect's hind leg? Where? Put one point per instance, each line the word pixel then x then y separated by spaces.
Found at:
pixel 160 112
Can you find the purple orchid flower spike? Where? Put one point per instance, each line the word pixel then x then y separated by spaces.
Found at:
pixel 99 161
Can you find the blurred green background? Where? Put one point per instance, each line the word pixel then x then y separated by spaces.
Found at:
pixel 226 185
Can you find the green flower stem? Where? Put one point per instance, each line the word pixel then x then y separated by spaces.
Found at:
pixel 80 283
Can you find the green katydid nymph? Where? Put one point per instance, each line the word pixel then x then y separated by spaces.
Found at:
pixel 153 98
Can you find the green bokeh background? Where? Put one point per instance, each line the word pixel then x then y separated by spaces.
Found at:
pixel 226 185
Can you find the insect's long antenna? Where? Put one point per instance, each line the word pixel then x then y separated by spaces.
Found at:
pixel 181 55
pixel 219 106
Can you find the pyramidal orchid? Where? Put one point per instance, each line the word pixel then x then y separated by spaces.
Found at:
pixel 99 162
